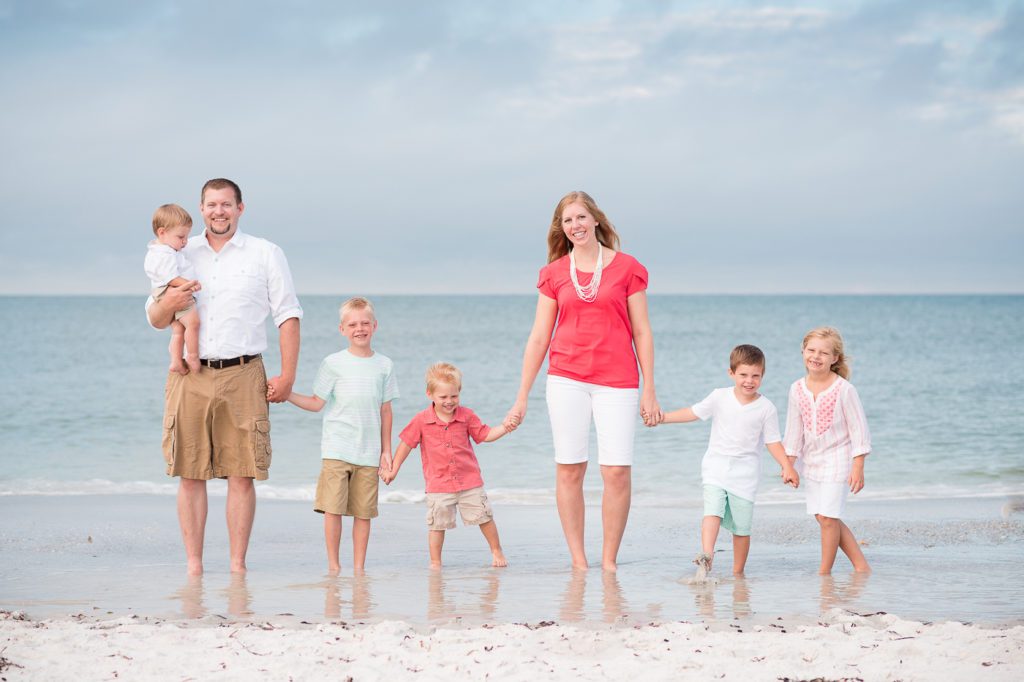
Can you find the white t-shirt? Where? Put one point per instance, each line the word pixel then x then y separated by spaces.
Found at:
pixel 738 435
pixel 164 264
pixel 354 388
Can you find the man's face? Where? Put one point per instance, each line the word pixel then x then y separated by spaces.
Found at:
pixel 221 212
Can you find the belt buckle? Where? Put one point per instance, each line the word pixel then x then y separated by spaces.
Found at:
pixel 219 365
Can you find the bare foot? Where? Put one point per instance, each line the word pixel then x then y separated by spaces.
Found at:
pixel 862 569
pixel 178 367
pixel 435 565
pixel 239 569
pixel 609 566
pixel 192 360
pixel 333 569
pixel 499 559
pixel 195 568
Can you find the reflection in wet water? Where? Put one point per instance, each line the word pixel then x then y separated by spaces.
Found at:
pixel 842 591
pixel 238 596
pixel 360 604
pixel 444 595
pixel 191 596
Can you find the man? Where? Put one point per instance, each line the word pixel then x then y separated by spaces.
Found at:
pixel 216 421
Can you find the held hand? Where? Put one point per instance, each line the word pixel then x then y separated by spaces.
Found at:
pixel 790 477
pixel 856 481
pixel 278 389
pixel 650 411
pixel 385 475
pixel 386 462
pixel 515 416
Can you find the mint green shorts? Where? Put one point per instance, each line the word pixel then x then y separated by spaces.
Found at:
pixel 737 513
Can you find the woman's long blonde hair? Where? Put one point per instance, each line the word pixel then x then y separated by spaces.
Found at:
pixel 559 244
pixel 841 365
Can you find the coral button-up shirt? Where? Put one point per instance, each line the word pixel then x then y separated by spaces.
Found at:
pixel 449 464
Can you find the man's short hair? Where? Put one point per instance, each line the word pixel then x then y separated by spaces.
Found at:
pixel 170 215
pixel 221 183
pixel 355 303
pixel 443 373
pixel 745 354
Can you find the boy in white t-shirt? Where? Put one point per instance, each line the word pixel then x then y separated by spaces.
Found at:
pixel 743 422
pixel 167 266
pixel 357 386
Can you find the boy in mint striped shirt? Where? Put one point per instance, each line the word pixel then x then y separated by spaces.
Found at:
pixel 356 385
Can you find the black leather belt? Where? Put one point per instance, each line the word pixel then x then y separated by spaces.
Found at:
pixel 230 362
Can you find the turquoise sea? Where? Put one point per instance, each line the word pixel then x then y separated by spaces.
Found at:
pixel 81 409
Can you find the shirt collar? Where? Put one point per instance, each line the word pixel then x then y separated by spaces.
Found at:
pixel 430 417
pixel 238 239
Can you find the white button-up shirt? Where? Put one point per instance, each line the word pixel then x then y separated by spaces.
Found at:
pixel 243 283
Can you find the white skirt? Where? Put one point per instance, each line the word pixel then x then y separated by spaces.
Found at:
pixel 825 497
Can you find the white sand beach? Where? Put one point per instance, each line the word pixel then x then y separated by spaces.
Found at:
pixel 837 646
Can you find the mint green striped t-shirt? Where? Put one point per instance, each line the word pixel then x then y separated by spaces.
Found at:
pixel 354 388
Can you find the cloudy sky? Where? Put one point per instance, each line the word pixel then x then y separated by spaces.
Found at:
pixel 421 146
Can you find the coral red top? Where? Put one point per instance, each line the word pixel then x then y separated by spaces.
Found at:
pixel 449 464
pixel 593 342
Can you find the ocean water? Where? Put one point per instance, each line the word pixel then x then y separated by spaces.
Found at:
pixel 81 408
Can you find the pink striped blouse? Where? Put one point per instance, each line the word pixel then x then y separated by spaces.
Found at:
pixel 826 434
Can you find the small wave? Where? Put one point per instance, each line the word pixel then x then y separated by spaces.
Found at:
pixel 505 496
pixel 95 486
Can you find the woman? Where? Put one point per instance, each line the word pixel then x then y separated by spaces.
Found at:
pixel 593 297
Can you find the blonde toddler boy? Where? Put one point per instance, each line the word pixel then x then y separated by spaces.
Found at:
pixel 450 467
pixel 167 266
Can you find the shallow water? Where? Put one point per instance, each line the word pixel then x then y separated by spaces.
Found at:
pixel 931 562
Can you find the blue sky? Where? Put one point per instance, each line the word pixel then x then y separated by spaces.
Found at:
pixel 394 147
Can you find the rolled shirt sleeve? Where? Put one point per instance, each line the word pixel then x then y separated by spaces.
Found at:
pixel 284 303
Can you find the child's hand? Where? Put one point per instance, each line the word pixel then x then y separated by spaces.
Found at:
pixel 790 477
pixel 385 461
pixel 856 481
pixel 511 422
pixel 270 392
pixel 385 475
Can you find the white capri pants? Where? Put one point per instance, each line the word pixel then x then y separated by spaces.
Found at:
pixel 570 406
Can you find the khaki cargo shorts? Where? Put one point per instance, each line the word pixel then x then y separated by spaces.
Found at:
pixel 472 504
pixel 347 489
pixel 216 423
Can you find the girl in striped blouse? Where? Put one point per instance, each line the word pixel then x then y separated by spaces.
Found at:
pixel 827 436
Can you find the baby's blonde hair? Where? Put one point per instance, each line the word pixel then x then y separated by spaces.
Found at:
pixel 356 303
pixel 170 215
pixel 840 366
pixel 443 373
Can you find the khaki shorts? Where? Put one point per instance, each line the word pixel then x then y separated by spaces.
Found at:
pixel 216 423
pixel 158 293
pixel 472 505
pixel 347 489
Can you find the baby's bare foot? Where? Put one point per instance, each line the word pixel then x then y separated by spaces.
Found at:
pixel 499 560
